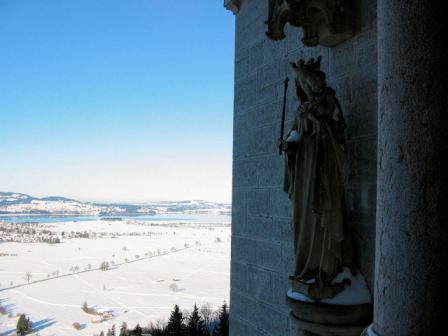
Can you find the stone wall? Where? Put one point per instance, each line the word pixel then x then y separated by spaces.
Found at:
pixel 262 251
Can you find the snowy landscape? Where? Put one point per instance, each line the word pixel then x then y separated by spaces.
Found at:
pixel 132 269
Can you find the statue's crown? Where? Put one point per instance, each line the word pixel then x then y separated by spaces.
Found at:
pixel 310 64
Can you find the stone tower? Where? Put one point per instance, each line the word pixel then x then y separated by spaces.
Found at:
pixel 391 91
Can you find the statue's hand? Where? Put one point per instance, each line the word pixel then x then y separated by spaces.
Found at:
pixel 289 147
pixel 280 144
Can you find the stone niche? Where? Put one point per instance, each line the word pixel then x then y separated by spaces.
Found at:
pixel 324 22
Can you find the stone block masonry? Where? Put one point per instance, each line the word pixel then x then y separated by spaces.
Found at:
pixel 262 252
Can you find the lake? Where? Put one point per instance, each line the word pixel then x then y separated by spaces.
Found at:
pixel 173 218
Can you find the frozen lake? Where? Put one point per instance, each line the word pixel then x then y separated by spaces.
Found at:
pixel 173 217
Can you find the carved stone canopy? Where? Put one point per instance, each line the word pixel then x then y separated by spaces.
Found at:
pixel 324 22
pixel 232 5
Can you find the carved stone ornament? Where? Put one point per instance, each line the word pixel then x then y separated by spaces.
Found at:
pixel 232 5
pixel 324 22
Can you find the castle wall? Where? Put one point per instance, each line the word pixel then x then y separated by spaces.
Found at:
pixel 262 250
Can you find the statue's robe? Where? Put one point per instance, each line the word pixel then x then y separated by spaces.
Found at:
pixel 314 183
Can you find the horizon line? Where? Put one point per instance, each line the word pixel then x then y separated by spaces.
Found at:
pixel 112 200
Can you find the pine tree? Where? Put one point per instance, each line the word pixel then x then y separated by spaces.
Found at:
pixel 24 325
pixel 137 330
pixel 113 330
pixel 102 333
pixel 176 326
pixel 223 327
pixel 109 332
pixel 195 325
pixel 124 329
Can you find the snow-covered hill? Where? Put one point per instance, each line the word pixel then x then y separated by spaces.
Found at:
pixel 21 203
pixel 17 203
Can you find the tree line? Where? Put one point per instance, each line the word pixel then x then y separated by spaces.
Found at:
pixel 197 323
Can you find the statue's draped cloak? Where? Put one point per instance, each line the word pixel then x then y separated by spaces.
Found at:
pixel 313 181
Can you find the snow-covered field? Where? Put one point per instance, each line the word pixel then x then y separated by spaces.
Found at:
pixel 196 258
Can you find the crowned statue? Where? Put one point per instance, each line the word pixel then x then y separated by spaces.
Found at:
pixel 314 150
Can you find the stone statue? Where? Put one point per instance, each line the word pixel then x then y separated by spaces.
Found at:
pixel 314 151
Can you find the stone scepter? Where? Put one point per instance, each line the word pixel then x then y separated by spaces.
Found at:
pixel 282 127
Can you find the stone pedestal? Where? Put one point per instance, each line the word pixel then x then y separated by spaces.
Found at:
pixel 411 239
pixel 346 314
pixel 331 320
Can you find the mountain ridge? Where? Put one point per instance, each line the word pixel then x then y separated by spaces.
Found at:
pixel 19 203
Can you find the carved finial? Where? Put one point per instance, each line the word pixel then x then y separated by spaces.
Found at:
pixel 232 5
pixel 324 22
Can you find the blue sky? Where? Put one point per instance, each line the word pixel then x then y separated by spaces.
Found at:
pixel 120 100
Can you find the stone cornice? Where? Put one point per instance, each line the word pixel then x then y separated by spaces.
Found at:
pixel 232 5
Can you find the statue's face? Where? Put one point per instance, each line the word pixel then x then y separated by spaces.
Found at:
pixel 316 83
pixel 302 74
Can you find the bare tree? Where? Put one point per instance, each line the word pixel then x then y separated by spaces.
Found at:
pixel 28 276
pixel 85 306
pixel 207 314
pixel 104 266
